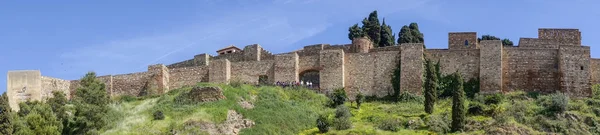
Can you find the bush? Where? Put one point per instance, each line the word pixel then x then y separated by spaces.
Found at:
pixel 342 118
pixel 410 97
pixel 359 99
pixel 338 97
pixel 323 124
pixel 127 98
pixel 496 98
pixel 158 115
pixel 475 108
pixel 555 103
pixel 236 83
pixel 471 87
pixel 390 125
pixel 596 91
pixel 437 124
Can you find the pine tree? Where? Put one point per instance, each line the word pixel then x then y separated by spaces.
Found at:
pixel 371 27
pixel 355 32
pixel 430 86
pixel 91 106
pixel 6 115
pixel 58 104
pixel 387 39
pixel 458 103
pixel 37 118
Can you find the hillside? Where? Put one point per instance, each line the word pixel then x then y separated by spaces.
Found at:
pixel 294 111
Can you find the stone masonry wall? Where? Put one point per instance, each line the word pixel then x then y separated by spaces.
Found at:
pixel 537 43
pixel 332 74
pixel 456 40
pixel 23 85
pixel 187 76
pixel 574 70
pixel 530 69
pixel 219 71
pixel 411 76
pixel 50 84
pixel 130 84
pixel 310 62
pixel 490 66
pixel 370 72
pixel 286 67
pixel 594 71
pixel 465 61
pixel 562 36
pixel 249 71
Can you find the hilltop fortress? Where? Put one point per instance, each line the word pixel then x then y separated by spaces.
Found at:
pixel 555 61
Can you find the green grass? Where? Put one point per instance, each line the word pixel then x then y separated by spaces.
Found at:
pixel 294 111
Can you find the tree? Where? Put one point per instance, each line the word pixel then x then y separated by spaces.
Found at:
pixel 339 97
pixel 359 99
pixel 505 42
pixel 5 116
pixel 91 106
pixel 58 103
pixel 37 118
pixel 355 32
pixel 410 34
pixel 371 27
pixel 387 36
pixel 430 86
pixel 458 103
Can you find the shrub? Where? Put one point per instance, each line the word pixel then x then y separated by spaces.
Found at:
pixel 127 98
pixel 390 125
pixel 323 124
pixel 533 94
pixel 236 83
pixel 596 91
pixel 471 87
pixel 437 124
pixel 158 115
pixel 359 99
pixel 342 118
pixel 338 97
pixel 409 97
pixel 558 103
pixel 496 98
pixel 475 108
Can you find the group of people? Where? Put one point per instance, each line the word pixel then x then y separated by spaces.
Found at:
pixel 294 84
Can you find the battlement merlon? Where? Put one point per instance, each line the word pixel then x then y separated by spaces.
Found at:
pixel 462 40
pixel 561 36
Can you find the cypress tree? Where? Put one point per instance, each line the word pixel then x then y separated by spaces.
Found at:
pixel 430 86
pixel 410 34
pixel 387 36
pixel 458 103
pixel 371 27
pixel 354 32
pixel 5 116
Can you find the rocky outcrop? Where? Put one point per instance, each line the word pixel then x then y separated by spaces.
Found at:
pixel 206 94
pixel 232 126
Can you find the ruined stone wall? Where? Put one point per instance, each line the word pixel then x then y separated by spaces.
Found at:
pixel 574 69
pixel 490 66
pixel 594 71
pixel 563 36
pixel 187 76
pixel 130 84
pixel 530 69
pixel 266 55
pixel 411 76
pixel 219 71
pixel 50 84
pixel 22 86
pixel 249 71
pixel 456 40
pixel 159 83
pixel 186 63
pixel 332 74
pixel 252 52
pixel 286 67
pixel 370 72
pixel 465 61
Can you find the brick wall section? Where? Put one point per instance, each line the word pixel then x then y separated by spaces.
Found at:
pixel 456 40
pixel 575 70
pixel 465 61
pixel 530 69
pixel 411 76
pixel 249 71
pixel 187 76
pixel 130 84
pixel 563 36
pixel 332 74
pixel 490 66
pixel 286 67
pixel 594 71
pixel 50 84
pixel 219 71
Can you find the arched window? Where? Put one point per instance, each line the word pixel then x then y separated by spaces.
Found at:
pixel 466 42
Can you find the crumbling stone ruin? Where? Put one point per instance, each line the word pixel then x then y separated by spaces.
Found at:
pixel 555 61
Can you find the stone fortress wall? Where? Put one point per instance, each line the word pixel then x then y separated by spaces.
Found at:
pixel 555 61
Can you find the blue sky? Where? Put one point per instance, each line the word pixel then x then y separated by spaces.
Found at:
pixel 65 39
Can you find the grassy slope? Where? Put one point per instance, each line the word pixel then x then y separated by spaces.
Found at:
pixel 287 111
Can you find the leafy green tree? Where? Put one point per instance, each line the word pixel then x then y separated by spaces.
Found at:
pixel 410 34
pixel 458 103
pixel 355 32
pixel 371 27
pixel 58 103
pixel 339 97
pixel 505 42
pixel 91 106
pixel 38 118
pixel 430 86
pixel 387 36
pixel 5 116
